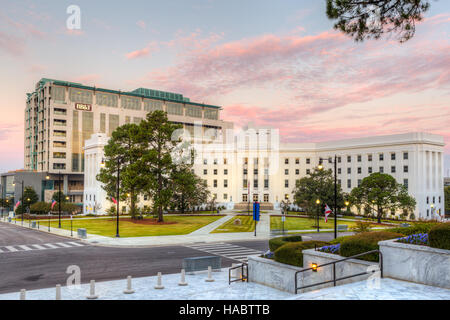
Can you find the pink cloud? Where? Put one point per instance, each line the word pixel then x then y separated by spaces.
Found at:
pixel 141 24
pixel 151 47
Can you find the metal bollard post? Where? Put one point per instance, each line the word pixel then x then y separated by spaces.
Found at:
pixel 92 294
pixel 129 289
pixel 183 278
pixel 210 278
pixel 159 283
pixel 58 292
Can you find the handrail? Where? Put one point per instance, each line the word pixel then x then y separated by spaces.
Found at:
pixel 334 270
pixel 242 278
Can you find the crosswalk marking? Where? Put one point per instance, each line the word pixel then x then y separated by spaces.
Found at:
pixel 42 246
pixel 62 244
pixel 77 244
pixel 226 250
pixel 38 247
pixel 52 246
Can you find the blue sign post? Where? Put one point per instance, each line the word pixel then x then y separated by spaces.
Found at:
pixel 256 213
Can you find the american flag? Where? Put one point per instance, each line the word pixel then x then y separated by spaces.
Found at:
pixel 327 212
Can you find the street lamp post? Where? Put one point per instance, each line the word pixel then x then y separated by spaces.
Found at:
pixel 59 200
pixel 21 182
pixel 335 188
pixel 318 213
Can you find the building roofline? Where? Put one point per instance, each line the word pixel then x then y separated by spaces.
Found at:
pixel 119 92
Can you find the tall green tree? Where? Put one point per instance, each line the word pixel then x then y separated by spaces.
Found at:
pixel 319 184
pixel 59 195
pixel 189 190
pixel 124 151
pixel 370 19
pixel 159 140
pixel 382 192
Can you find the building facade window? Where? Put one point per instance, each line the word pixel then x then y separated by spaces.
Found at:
pixel 286 183
pixel 392 156
pixel 381 169
pixel 381 156
pixel 405 155
pixel 359 170
pixel 349 158
pixel 405 169
pixel 369 157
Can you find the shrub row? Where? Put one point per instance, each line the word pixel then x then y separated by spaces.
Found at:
pixel 291 253
pixel 415 228
pixel 439 236
pixel 364 242
pixel 275 243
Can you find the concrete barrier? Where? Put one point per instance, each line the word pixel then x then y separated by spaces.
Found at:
pixel 82 233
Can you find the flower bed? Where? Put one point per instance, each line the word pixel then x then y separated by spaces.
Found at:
pixel 334 249
pixel 420 239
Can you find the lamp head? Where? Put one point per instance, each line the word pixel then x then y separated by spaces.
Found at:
pixel 318 201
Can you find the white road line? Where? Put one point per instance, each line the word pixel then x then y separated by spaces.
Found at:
pixel 25 248
pixel 62 244
pixel 1 250
pixel 38 247
pixel 76 244
pixel 51 246
pixel 11 249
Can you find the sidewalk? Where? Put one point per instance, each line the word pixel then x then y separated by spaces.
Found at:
pixel 210 227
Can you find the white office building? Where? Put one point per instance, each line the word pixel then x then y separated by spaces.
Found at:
pixel 253 166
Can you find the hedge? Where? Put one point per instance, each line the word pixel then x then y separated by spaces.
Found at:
pixel 439 236
pixel 414 229
pixel 291 253
pixel 275 243
pixel 364 242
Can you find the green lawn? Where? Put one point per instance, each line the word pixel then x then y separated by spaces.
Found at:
pixel 293 213
pixel 292 223
pixel 176 225
pixel 247 225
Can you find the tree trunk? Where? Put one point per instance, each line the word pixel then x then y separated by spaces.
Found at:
pixel 380 214
pixel 182 202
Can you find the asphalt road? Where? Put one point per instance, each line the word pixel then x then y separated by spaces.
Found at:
pixel 36 269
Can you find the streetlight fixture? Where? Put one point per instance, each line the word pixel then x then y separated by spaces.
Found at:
pixel 318 213
pixel 320 167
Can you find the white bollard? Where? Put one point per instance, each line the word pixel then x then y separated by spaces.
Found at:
pixel 129 289
pixel 92 294
pixel 23 294
pixel 210 278
pixel 183 280
pixel 159 284
pixel 58 292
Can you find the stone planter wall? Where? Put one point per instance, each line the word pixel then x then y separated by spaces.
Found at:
pixel 343 269
pixel 415 263
pixel 282 277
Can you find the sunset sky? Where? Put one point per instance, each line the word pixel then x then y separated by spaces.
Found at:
pixel 274 63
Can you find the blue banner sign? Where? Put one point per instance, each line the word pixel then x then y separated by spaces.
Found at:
pixel 256 211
